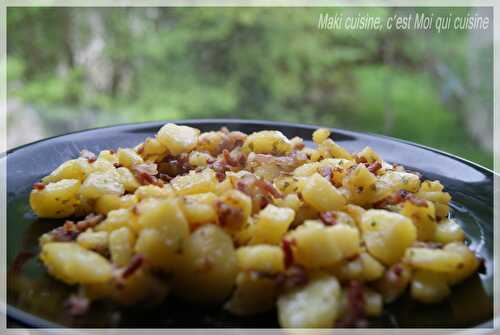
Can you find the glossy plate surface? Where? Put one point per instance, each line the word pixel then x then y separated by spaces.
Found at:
pixel 36 300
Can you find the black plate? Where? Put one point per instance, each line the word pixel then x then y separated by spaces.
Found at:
pixel 36 300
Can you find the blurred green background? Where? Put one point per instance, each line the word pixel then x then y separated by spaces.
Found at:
pixel 77 68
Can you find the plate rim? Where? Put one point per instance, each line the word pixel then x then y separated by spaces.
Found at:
pixel 31 320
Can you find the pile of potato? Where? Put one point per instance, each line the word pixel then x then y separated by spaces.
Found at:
pixel 251 223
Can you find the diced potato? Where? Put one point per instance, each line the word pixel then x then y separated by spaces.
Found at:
pixel 315 305
pixel 108 202
pixel 315 246
pixel 448 231
pixel 153 147
pixel 100 183
pixel 356 212
pixel 200 208
pixel 429 287
pixel 72 264
pixel 153 191
pixel 223 186
pixel 128 180
pixel 320 135
pixel 289 201
pixel 267 142
pixel 329 149
pixel 108 156
pixel 362 187
pixel 372 268
pixel 433 191
pixel 101 165
pixel 369 155
pixel 195 182
pixel 128 157
pixel 93 240
pixel 209 267
pixel 321 194
pixel 387 235
pixel 398 180
pixel 253 294
pixel 164 231
pixel 119 218
pixel 468 262
pixel 433 259
pixel 272 224
pixel 307 169
pixel 56 200
pixel 197 158
pixel 424 218
pixel 238 201
pixel 121 246
pixel 211 142
pixel 373 303
pixel 261 258
pixel 178 139
pixel 394 282
pixel 349 270
pixel 73 169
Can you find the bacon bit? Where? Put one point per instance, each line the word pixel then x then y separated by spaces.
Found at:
pixel 146 174
pixel 21 258
pixel 133 266
pixel 228 215
pixel 269 188
pixel 90 221
pixel 65 233
pixel 117 165
pixel 77 305
pixel 397 270
pixel 140 149
pixel 230 160
pixel 39 186
pixel 394 199
pixel 354 315
pixel 294 276
pixel 360 159
pixel 286 245
pixel 374 167
pixel 88 155
pixel 326 172
pixel 175 165
pixel 328 218
pixel 417 201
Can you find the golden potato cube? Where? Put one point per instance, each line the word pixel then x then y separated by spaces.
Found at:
pixel 387 235
pixel 165 229
pixel 72 264
pixel 200 208
pixel 101 165
pixel 198 158
pixel 73 169
pixel 153 191
pixel 320 194
pixel 306 170
pixel 372 268
pixel 320 134
pixel 209 266
pixel 153 147
pixel 315 246
pixel 128 180
pixel 362 186
pixel 398 180
pixel 289 201
pixel 128 157
pixel 178 139
pixel 100 183
pixel 93 240
pixel 253 294
pixel 374 303
pixel 121 246
pixel 272 224
pixel 394 282
pixel 369 155
pixel 108 202
pixel 267 142
pixel 424 218
pixel 107 155
pixel 118 218
pixel 448 231
pixel 56 200
pixel 433 259
pixel 316 305
pixel 195 182
pixel 429 287
pixel 349 270
pixel 329 149
pixel 261 258
pixel 468 262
